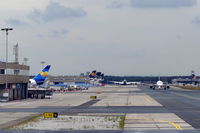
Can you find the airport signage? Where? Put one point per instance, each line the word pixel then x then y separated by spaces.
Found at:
pixel 93 97
pixel 50 115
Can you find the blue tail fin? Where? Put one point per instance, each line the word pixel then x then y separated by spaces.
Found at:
pixel 93 74
pixel 193 75
pixel 42 75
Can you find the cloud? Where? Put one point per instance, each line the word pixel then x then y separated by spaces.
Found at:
pixel 58 33
pixel 131 56
pixel 162 3
pixel 39 36
pixel 196 20
pixel 54 33
pixel 55 11
pixel 16 22
pixel 116 4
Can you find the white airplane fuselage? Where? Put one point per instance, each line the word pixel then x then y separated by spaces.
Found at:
pixel 160 85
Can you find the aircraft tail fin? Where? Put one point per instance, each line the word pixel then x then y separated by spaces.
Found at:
pixel 42 75
pixel 92 74
pixel 193 75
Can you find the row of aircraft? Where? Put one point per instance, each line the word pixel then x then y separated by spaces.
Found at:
pixel 39 79
pixel 95 78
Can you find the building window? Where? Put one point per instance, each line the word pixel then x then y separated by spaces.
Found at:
pixel 2 71
pixel 16 72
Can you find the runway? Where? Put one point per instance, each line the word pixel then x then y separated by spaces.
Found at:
pixel 145 110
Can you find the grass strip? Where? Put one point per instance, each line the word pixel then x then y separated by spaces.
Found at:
pixel 122 122
pixel 189 87
pixel 29 119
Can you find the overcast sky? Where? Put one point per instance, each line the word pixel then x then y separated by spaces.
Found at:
pixel 117 37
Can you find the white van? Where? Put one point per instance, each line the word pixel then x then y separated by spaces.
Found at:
pixel 48 94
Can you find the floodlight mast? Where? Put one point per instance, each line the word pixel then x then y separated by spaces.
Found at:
pixel 6 78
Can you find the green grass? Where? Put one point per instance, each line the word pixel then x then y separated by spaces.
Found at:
pixel 189 87
pixel 122 122
pixel 30 119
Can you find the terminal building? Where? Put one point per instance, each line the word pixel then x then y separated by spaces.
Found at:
pixel 17 80
pixel 68 79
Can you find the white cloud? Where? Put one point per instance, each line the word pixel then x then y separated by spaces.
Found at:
pixel 116 4
pixel 76 36
pixel 58 33
pixel 16 22
pixel 56 11
pixel 196 20
pixel 162 3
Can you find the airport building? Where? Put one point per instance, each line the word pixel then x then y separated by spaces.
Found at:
pixel 79 79
pixel 17 78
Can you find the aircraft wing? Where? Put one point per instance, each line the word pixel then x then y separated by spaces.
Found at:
pixel 131 83
pixel 115 82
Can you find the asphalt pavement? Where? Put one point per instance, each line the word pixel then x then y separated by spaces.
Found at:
pixel 183 103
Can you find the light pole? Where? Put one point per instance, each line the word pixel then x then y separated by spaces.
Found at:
pixel 42 62
pixel 25 60
pixel 6 29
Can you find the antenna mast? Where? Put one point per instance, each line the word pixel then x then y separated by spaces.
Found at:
pixel 16 53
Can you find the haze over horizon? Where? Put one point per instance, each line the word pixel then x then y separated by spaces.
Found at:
pixel 117 37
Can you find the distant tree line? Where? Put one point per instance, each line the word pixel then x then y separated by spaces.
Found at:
pixel 144 79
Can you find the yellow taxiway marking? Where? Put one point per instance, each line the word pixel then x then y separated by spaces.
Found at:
pixel 177 126
pixel 148 100
pixel 191 97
